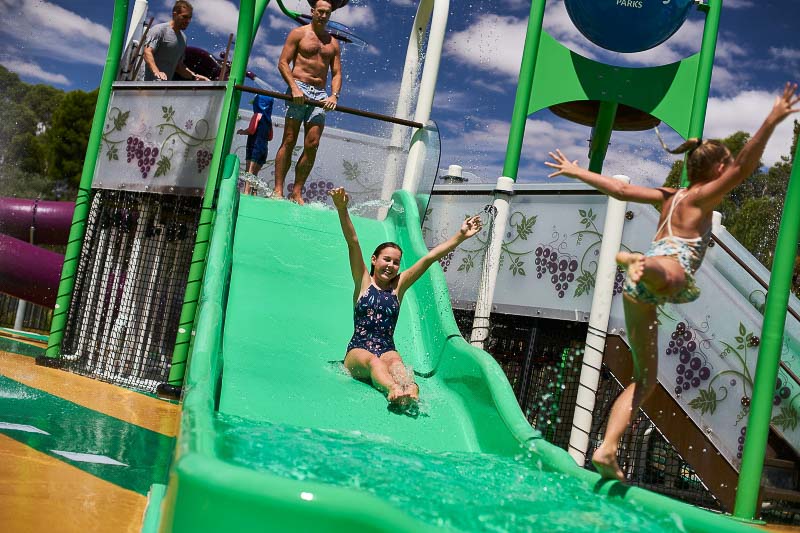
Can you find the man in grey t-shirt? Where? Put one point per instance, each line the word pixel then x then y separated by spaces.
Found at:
pixel 166 43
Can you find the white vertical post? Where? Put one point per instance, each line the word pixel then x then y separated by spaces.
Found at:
pixel 491 264
pixel 22 305
pixel 20 316
pixel 427 89
pixel 598 324
pixel 405 98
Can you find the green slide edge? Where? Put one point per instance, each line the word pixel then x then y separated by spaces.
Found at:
pixel 206 493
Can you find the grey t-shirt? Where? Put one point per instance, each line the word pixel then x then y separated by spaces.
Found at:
pixel 168 48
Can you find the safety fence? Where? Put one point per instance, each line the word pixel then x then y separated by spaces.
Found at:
pixel 129 287
pixel 36 318
pixel 542 360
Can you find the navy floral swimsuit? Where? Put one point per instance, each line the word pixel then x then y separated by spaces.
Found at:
pixel 375 317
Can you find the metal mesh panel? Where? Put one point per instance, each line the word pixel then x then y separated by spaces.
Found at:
pixel 781 512
pixel 36 318
pixel 542 359
pixel 645 454
pixel 129 287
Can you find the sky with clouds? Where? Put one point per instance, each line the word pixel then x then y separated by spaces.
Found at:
pixel 63 43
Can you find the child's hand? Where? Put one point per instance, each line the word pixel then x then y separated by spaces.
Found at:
pixel 784 104
pixel 340 198
pixel 564 166
pixel 470 227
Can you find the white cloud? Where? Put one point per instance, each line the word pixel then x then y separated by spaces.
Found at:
pixel 280 23
pixel 746 111
pixel 46 29
pixel 216 16
pixel 32 70
pixel 403 3
pixel 354 16
pixel 45 16
pixel 785 54
pixel 492 43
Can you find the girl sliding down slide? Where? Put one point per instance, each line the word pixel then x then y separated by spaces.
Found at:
pixel 377 296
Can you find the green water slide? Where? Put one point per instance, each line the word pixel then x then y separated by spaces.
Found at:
pixel 274 319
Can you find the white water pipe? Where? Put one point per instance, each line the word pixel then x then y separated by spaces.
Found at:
pixel 137 19
pixel 405 98
pixel 598 324
pixel 427 90
pixel 134 35
pixel 491 263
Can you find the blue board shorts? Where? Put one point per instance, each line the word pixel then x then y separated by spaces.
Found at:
pixel 308 114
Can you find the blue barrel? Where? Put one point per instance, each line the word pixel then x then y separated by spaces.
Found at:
pixel 628 25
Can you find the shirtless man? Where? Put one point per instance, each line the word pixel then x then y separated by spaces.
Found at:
pixel 313 51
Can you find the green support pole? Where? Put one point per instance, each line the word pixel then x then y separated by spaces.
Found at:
pixel 602 135
pixel 524 88
pixel 704 68
pixel 769 352
pixel 82 202
pixel 230 106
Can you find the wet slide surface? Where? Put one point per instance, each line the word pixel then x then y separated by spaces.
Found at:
pixel 288 321
pixel 468 461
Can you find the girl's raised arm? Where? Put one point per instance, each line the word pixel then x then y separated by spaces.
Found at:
pixel 470 227
pixel 610 186
pixel 711 194
pixel 357 266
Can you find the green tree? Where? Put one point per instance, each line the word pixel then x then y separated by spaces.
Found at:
pixel 68 135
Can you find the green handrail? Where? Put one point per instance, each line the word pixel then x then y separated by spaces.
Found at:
pixel 520 115
pixel 769 351
pixel 229 114
pixel 705 66
pixel 601 135
pixel 82 202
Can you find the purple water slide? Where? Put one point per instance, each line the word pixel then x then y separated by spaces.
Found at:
pixel 51 220
pixel 29 272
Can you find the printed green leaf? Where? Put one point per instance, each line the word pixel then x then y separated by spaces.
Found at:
pixel 787 419
pixel 585 283
pixel 466 264
pixel 525 227
pixel 706 402
pixel 120 120
pixel 162 166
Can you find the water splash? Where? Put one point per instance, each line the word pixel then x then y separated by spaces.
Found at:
pixel 457 490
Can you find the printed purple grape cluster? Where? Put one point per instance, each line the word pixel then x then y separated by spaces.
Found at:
pixel 741 443
pixel 314 191
pixel 782 392
pixel 560 270
pixel 692 368
pixel 144 153
pixel 203 159
pixel 445 260
pixel 619 280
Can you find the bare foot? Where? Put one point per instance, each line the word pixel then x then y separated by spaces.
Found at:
pixel 606 464
pixel 413 391
pixel 297 199
pixel 399 396
pixel 277 194
pixel 633 264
